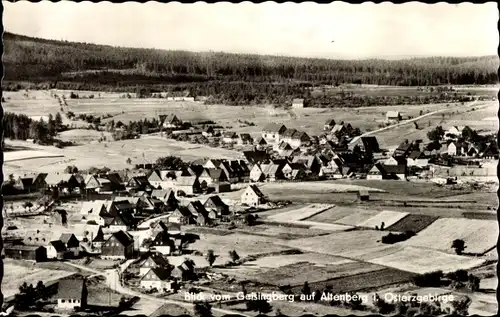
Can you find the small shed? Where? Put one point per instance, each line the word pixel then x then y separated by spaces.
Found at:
pixel 363 195
pixel 298 103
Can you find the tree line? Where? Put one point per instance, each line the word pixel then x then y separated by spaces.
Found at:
pixel 21 127
pixel 39 58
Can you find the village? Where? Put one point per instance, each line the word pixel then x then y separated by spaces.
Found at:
pixel 141 225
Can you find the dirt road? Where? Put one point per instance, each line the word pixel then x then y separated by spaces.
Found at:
pixel 354 140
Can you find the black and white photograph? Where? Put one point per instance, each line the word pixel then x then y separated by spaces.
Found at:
pixel 275 159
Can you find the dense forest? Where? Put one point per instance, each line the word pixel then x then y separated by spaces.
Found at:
pixel 230 78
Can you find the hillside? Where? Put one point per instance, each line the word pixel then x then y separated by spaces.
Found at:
pixel 233 78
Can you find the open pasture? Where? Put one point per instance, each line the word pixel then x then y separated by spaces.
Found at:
pixel 300 213
pixel 462 115
pixel 419 260
pixel 243 244
pixel 15 275
pixel 282 232
pixel 115 154
pixel 28 155
pixel 362 281
pixel 386 217
pixel 83 135
pixel 479 235
pixel 298 273
pixel 412 222
pixel 339 243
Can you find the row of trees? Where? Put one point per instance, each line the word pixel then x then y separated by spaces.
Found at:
pixel 27 57
pixel 21 127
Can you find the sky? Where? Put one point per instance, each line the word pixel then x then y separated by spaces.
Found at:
pixel 337 30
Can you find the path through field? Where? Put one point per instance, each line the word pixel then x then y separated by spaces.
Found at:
pixel 354 140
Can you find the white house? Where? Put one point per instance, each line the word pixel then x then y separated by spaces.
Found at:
pixel 230 137
pixel 272 133
pixel 376 173
pixel 55 249
pixel 71 293
pixel 393 116
pixel 452 149
pixel 298 103
pixel 256 174
pixel 252 196
pixel 452 133
pixel 151 262
pixel 158 279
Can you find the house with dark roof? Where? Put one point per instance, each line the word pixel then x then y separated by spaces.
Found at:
pixel 244 139
pixel 199 212
pixel 167 197
pixel 272 172
pixel 184 272
pixel 162 243
pixel 293 170
pixel 273 132
pixel 122 221
pixel 56 249
pixel 299 139
pixel 329 124
pixel 212 163
pixel 138 183
pixel 375 173
pixel 398 172
pixel 403 150
pixel 71 293
pixel 240 169
pixel 120 245
pixel 170 121
pixel 97 184
pixel 208 131
pixel 25 184
pixel 256 157
pixel 158 279
pixel 369 144
pixel 231 175
pixel 152 261
pixel 491 152
pixel 195 170
pixel 252 196
pixel 25 252
pixel 260 143
pixel 71 243
pixel 215 206
pixel 182 215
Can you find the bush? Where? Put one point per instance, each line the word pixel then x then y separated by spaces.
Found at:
pixel 432 279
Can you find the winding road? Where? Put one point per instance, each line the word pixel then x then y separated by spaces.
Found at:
pixel 114 283
pixel 354 140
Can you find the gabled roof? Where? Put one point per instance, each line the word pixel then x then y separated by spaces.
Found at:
pixel 158 259
pixel 186 180
pixel 256 190
pixel 274 128
pixel 370 144
pixel 195 170
pixel 298 100
pixel 289 133
pixel 216 200
pixel 65 237
pixel 393 114
pixel 270 169
pixel 122 237
pixel 214 173
pixel 394 169
pixel 56 179
pixel 260 141
pixel 162 273
pixel 197 208
pixel 330 122
pixel 183 211
pixel 230 134
pixel 284 146
pixel 338 127
pixel 71 288
pixel 415 155
pixel 58 245
pixel 254 157
pixel 299 135
pixel 245 137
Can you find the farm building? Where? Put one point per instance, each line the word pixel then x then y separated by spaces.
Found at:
pixel 63 182
pixel 300 138
pixel 120 245
pixel 71 243
pixel 252 196
pixel 187 185
pixel 170 121
pixel 329 124
pixel 162 244
pixel 56 250
pixel 152 261
pixel 393 116
pixel 25 184
pixel 394 172
pixel 158 279
pixel 244 139
pixel 26 252
pixel 256 157
pixel 222 187
pixel 215 203
pixel 182 215
pixel 260 143
pixel 185 271
pixel 375 173
pixel 363 195
pixel 298 103
pixel 273 132
pixel 230 137
pixel 256 174
pixel 208 132
pixel 71 293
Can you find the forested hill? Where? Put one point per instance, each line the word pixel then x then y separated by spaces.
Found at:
pixel 90 66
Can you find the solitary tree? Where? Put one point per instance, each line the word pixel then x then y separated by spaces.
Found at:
pixel 234 256
pixel 210 257
pixel 306 290
pixel 458 245
pixel 203 309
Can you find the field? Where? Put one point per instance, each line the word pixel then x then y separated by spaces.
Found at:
pixel 387 217
pixel 479 235
pixel 38 103
pixel 15 275
pixel 300 213
pixel 243 244
pixel 80 136
pixel 421 261
pixel 28 155
pixel 115 154
pixel 414 223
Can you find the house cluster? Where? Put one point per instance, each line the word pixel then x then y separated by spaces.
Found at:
pixel 456 146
